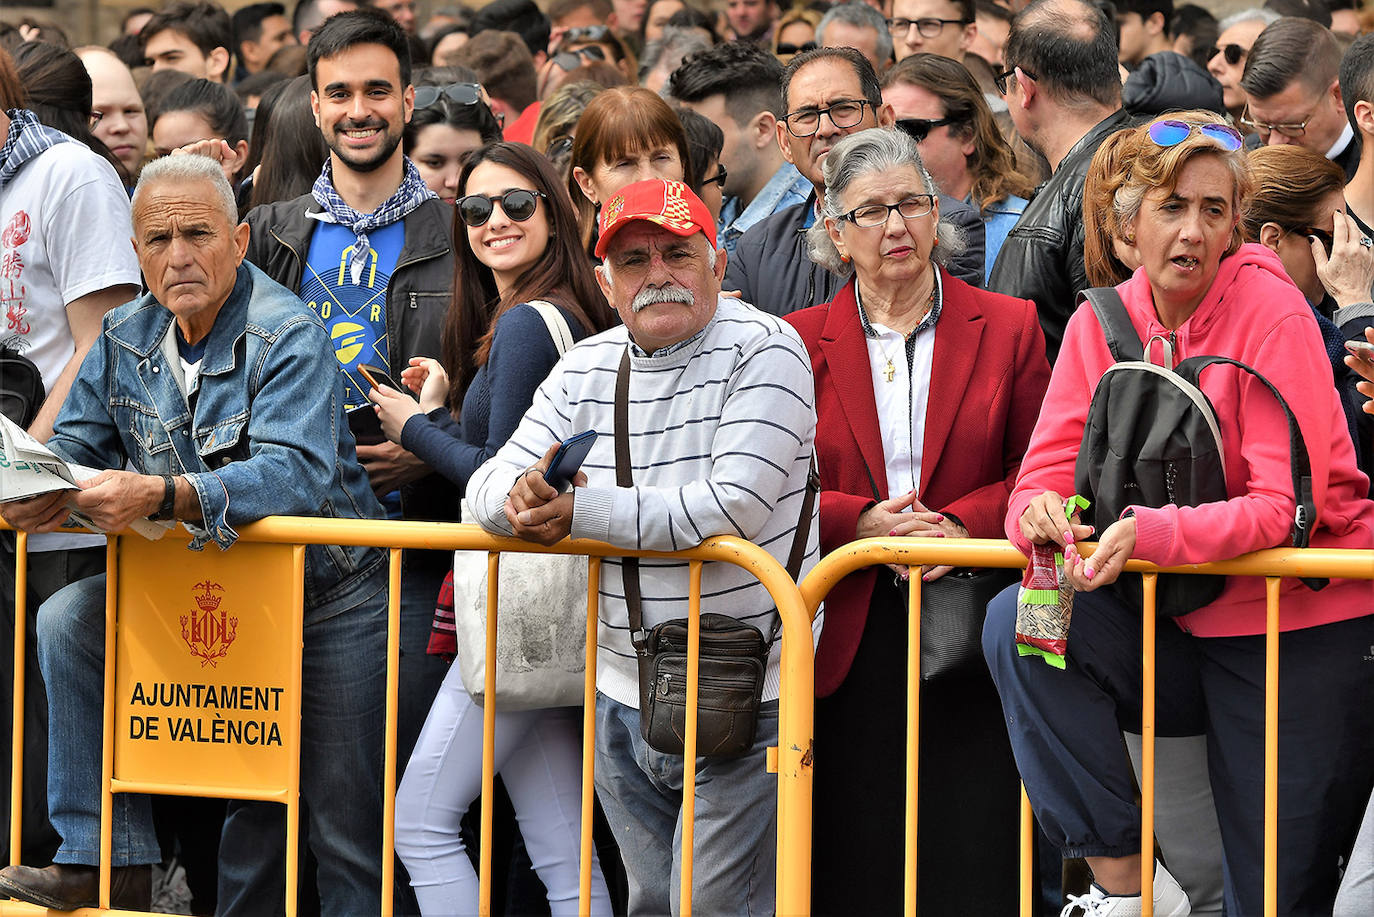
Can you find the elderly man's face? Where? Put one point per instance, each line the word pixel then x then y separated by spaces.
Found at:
pixel 662 284
pixel 189 251
pixel 820 85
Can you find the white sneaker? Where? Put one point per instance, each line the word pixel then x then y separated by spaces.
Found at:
pixel 1170 900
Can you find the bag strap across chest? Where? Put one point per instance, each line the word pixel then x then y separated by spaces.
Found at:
pixel 1125 345
pixel 624 477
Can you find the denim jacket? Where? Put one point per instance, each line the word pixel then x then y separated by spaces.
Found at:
pixel 264 432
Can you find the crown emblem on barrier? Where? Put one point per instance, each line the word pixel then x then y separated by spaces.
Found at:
pixel 207 631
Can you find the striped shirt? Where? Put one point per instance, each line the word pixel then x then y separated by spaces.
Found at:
pixel 721 435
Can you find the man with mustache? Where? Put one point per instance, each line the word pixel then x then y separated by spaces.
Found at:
pixel 720 419
pixel 369 249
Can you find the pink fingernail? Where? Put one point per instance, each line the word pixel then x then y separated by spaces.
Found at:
pixel 893 532
pixel 939 518
pixel 1068 537
pixel 937 534
pixel 927 578
pixel 1089 572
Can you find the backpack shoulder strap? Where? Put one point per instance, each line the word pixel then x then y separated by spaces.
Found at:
pixel 1111 314
pixel 1306 515
pixel 556 323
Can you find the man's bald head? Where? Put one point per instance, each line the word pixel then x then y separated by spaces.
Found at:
pixel 1069 47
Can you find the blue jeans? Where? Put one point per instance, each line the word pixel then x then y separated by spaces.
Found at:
pixel 342 711
pixel 1065 728
pixel 736 817
pixel 253 846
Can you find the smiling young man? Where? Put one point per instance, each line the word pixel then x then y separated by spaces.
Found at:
pixel 370 250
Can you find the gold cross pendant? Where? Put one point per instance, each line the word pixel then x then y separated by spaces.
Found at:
pixel 890 371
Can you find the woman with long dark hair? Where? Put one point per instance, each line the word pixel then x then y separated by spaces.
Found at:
pixel 516 247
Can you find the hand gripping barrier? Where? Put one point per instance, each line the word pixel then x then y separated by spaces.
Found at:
pixel 193 624
pixel 1274 565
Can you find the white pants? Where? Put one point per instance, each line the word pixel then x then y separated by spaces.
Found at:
pixel 538 755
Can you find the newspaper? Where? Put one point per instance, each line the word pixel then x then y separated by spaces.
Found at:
pixel 29 468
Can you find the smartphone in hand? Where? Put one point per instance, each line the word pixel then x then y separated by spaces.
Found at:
pixel 380 378
pixel 1362 349
pixel 568 459
pixel 366 427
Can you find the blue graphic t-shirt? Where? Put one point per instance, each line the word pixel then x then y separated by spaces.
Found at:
pixel 351 299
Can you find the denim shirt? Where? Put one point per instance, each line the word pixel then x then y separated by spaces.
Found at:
pixel 785 188
pixel 264 432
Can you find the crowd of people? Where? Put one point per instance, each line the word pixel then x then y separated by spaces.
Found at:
pixel 812 275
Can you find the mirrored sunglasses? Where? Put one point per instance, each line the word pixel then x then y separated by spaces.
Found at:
pixel 1172 133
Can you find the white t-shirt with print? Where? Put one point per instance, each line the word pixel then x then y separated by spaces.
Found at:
pixel 64 232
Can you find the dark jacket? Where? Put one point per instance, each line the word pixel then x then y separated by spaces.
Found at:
pixel 1042 258
pixel 1169 81
pixel 772 271
pixel 416 301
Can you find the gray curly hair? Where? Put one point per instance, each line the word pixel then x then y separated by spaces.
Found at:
pixel 877 149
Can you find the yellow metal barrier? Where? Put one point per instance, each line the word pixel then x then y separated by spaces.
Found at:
pixel 1274 565
pixel 791 759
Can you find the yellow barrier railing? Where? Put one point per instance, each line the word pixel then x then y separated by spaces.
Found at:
pixel 1274 565
pixel 791 759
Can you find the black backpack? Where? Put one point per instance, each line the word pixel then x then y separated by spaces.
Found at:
pixel 21 387
pixel 1152 439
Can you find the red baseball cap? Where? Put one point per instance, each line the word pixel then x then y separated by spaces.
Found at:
pixel 670 204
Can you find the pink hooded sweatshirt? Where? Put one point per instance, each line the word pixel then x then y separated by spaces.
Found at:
pixel 1254 314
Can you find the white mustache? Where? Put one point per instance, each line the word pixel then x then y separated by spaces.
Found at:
pixel 662 294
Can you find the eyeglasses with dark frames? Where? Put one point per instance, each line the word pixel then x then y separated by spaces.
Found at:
pixel 919 129
pixel 871 215
pixel 1000 80
pixel 927 26
pixel 718 178
pixel 788 48
pixel 518 203
pixel 804 122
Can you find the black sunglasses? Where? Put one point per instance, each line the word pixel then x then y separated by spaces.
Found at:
pixel 460 93
pixel 1321 234
pixel 718 178
pixel 1233 53
pixel 919 129
pixel 788 48
pixel 517 203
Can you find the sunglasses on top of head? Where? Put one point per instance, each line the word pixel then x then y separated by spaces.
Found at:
pixel 517 203
pixel 1172 133
pixel 459 93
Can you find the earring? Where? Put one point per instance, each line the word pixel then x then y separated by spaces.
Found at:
pixel 844 258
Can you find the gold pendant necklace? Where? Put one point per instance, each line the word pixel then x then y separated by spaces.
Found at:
pixel 891 371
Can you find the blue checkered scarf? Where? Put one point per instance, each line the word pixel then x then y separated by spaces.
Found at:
pixel 411 194
pixel 25 140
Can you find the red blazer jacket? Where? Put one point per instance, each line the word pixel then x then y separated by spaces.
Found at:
pixel 988 377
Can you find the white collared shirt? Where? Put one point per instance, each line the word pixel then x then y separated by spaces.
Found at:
pixel 1347 135
pixel 902 401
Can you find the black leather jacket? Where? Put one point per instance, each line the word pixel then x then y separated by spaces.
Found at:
pixel 1042 258
pixel 417 299
pixel 772 270
pixel 1168 81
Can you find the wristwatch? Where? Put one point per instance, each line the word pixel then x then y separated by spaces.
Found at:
pixel 169 496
